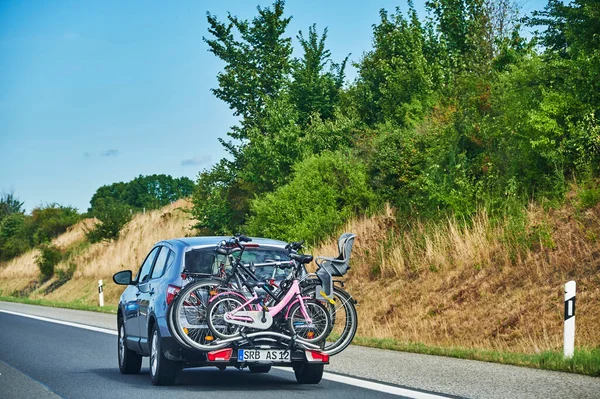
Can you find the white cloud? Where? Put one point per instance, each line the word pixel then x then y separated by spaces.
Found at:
pixel 110 153
pixel 197 160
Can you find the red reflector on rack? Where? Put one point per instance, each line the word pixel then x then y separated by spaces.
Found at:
pixel 249 245
pixel 317 356
pixel 221 355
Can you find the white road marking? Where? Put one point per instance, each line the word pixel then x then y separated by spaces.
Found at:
pixel 374 386
pixel 64 323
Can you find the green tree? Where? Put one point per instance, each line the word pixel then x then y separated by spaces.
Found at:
pixel 314 90
pixel 145 192
pixel 253 83
pixel 15 235
pixel 257 64
pixel 112 216
pixel 49 257
pixel 217 203
pixel 463 27
pixel 9 204
pixel 51 220
pixel 396 79
pixel 570 28
pixel 325 191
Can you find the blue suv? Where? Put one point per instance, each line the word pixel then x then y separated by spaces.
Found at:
pixel 143 322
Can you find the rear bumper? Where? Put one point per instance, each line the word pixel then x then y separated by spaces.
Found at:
pixel 174 351
pixel 195 358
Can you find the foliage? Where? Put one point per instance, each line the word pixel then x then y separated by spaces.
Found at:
pixel 51 220
pixel 315 92
pixel 325 191
pixel 20 232
pixel 14 227
pixel 257 61
pixel 217 206
pixel 49 257
pixel 569 28
pixel 9 204
pixel 14 236
pixel 397 78
pixel 144 192
pixel 112 216
pixel 447 114
pixel 588 194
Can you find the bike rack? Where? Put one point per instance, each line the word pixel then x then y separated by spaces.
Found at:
pixel 293 339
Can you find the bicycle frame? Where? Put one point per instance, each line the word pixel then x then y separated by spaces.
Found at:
pixel 253 318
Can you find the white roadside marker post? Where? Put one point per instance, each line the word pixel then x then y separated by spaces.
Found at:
pixel 100 293
pixel 569 338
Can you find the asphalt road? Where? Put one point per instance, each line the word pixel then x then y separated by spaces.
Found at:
pixel 41 359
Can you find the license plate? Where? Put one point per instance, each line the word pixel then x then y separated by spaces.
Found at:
pixel 264 355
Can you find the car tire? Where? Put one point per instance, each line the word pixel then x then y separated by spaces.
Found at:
pixel 162 370
pixel 260 369
pixel 130 362
pixel 307 373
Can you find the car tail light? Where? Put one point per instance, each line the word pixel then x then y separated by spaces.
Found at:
pixel 221 355
pixel 317 356
pixel 172 290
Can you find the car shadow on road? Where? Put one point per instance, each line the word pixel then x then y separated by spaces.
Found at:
pixel 210 379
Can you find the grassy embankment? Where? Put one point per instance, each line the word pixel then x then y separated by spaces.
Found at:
pixel 489 290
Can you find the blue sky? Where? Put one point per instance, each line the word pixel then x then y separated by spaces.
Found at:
pixel 95 92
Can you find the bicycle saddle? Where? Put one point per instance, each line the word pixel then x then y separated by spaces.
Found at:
pixel 252 283
pixel 302 258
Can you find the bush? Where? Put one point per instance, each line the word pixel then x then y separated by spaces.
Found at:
pixel 112 216
pixel 51 220
pixel 324 192
pixel 15 236
pixel 49 257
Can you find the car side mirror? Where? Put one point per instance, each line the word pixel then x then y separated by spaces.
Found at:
pixel 122 277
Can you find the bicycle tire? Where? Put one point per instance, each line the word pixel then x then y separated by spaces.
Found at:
pixel 344 325
pixel 188 315
pixel 215 316
pixel 320 327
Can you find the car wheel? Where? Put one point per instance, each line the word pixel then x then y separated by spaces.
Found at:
pixel 162 370
pixel 307 373
pixel 260 369
pixel 130 362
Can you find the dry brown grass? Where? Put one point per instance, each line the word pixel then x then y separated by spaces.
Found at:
pixel 103 259
pixel 450 284
pixel 24 266
pixel 472 286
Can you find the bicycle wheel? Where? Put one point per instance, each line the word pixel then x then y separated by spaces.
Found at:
pixel 188 315
pixel 315 331
pixel 343 318
pixel 216 316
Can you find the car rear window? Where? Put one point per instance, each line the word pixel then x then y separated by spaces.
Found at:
pixel 201 261
pixel 207 261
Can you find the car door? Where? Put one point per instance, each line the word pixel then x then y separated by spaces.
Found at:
pixel 133 326
pixel 147 287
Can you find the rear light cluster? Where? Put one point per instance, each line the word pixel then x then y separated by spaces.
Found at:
pixel 172 291
pixel 316 356
pixel 224 355
pixel 221 355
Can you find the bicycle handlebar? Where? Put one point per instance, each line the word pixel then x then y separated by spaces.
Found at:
pixel 244 238
pixel 294 246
